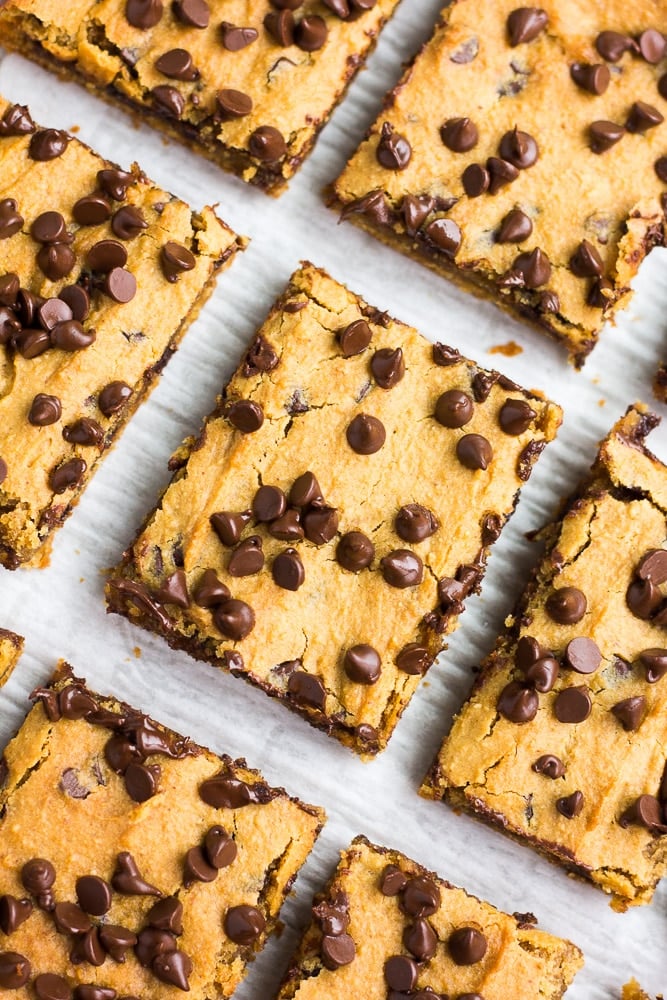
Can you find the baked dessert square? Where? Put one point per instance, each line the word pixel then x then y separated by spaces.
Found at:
pixel 321 534
pixel 389 926
pixel 562 743
pixel 522 155
pixel 248 85
pixel 11 647
pixel 135 863
pixel 101 274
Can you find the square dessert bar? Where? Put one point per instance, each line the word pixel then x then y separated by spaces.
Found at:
pixel 247 84
pixel 101 273
pixel 523 155
pixel 11 647
pixel 134 862
pixel 562 742
pixel 320 536
pixel 385 923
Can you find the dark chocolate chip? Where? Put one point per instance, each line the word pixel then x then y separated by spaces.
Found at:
pixel 53 311
pixel 516 416
pixel 83 431
pixel 56 260
pixel 354 338
pixel 244 924
pixel 196 868
pixel 228 525
pixel 586 262
pixel 141 781
pixel 611 45
pixel 454 408
pixel 128 222
pixel 247 558
pixel 233 104
pixel 643 117
pixel 414 659
pixel 120 285
pixel 446 236
pixel 542 674
pixel 267 144
pixel 71 919
pixel 177 65
pixel 644 811
pixel 549 765
pixel 117 941
pixel 524 24
pixel 94 992
pixel 603 135
pixel 643 598
pixel 288 527
pixel 362 664
pixel 307 689
pixel 175 259
pixel 518 703
pixel 420 939
pixel 320 524
pixel 48 986
pixel 355 551
pixel 475 179
pixel 93 894
pixel 269 503
pixel 467 946
pixel 105 255
pixel 582 654
pixel 566 605
pixel 246 416
pixel 210 591
pixel 235 38
pixel 113 397
pixel 166 915
pixel 416 209
pixel 388 367
pixel 287 570
pixel 153 942
pixel 13 912
pixel 500 172
pixel 194 13
pixel 572 705
pixel 655 663
pixel 630 712
pixel 393 151
pixel 401 973
pixel 459 134
pixel 219 847
pixel 143 14
pixel 474 451
pixel 11 221
pixel 365 434
pixel 305 490
pixel 660 167
pixel 534 268
pixel 311 33
pixel 280 26
pixel 414 523
pixel 92 210
pixel 235 619
pixel 392 881
pixel 48 144
pixel 337 951
pixel 653 566
pixel 15 970
pixel 68 475
pixel 9 289
pixel 570 806
pixel 44 410
pixel 128 880
pixel 515 227
pixel 173 968
pixel 71 336
pixel 593 78
pixel 16 121
pixel 402 568
pixel 519 149
pixel 115 182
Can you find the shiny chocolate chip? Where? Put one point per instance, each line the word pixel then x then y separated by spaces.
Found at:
pixel 117 941
pixel 233 104
pixel 362 664
pixel 515 227
pixel 244 924
pixel 175 259
pixel 645 811
pixel 570 806
pixel 593 78
pixel 516 416
pixel 402 568
pixel 392 881
pixel 612 44
pixel 53 311
pixel 83 431
pixel 459 134
pixel 654 662
pixel 467 946
pixel 173 968
pixel 549 765
pixel 128 222
pixel 320 524
pixel 393 151
pixel 13 912
pixel 280 26
pixel 630 712
pixel 247 558
pixel 177 65
pixel 115 182
pixel 37 876
pixel 542 674
pixel 113 397
pixel 524 24
pixel 414 523
pixel 355 551
pixel 56 260
pixel 305 490
pixel 16 120
pixel 210 591
pixel 166 915
pixel 15 970
pixel 420 939
pixel 142 781
pixel 220 848
pixel 476 180
pixel 77 299
pixel 11 220
pixel 421 897
pixel 71 336
pixel 643 117
pixel 196 868
pixel 48 986
pixel 414 659
pixel 388 367
pixel 127 878
pixel 566 605
pixel 401 973
pixel 44 410
pixel 246 416
pixel 354 338
pixel 365 434
pixel 474 451
pixel 228 525
pixel 572 705
pixel 68 475
pixel 307 689
pixel 193 13
pixel 454 408
pixel 71 919
pixel 287 570
pixel 519 149
pixel 337 951
pixel 234 618
pixel 583 655
pixel 445 235
pixel 311 33
pixel 92 210
pixel 48 144
pixel 603 135
pixel 93 894
pixel 533 267
pixel 269 503
pixel 586 262
pixel 267 144
pixel 518 703
pixel 288 527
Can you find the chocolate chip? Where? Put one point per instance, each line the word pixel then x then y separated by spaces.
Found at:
pixel 643 598
pixel 518 703
pixel 288 527
pixel 393 151
pixel 173 968
pixel 402 568
pixel 267 144
pixel 643 117
pixel 48 986
pixel 446 236
pixel 246 416
pixel 392 881
pixel 15 970
pixel 421 940
pixel 166 915
pixel 247 558
pixel 611 45
pixel 311 33
pixel 593 78
pixel 454 408
pixel 566 605
pixel 500 173
pixel 305 490
pixel 220 848
pixel 337 951
pixel 228 525
pixel 320 524
pixel 53 311
pixel 92 210
pixel 153 942
pixel 570 806
pixel 68 475
pixel 244 924
pixel 38 876
pixel 120 285
pixel 519 149
pixel 71 336
pixel 586 262
pixel 115 182
pixel 630 712
pixel 645 811
pixel 141 781
pixel 362 664
pixel 128 222
pixel 117 940
pixel 71 919
pixel 235 619
pixel 11 221
pixel 77 299
pixel 210 591
pixel 233 104
pixel 572 705
pixel 177 65
pixel 542 674
pixel 655 662
pixel 234 38
pixel 474 451
pixel 13 912
pixel 56 260
pixel 287 570
pixel 475 179
pixel 528 651
pixel 269 503
pixel 307 689
pixel 105 255
pixel 525 23
pixel 365 434
pixel 48 144
pixel 194 13
pixel 16 121
pixel 414 659
pixel 467 946
pixel 459 134
pixel 9 289
pixel 516 416
pixel 416 209
pixel 354 338
pixel 196 868
pixel 113 397
pixel 175 259
pixel 388 367
pixel 660 167
pixel 414 523
pixel 534 268
pixel 582 655
pixel 515 227
pixel 94 992
pixel 280 25
pixel 83 431
pixel 93 894
pixel 128 880
pixel 550 765
pixel 44 410
pixel 652 45
pixel 355 551
pixel 401 973
pixel 143 14
pixel 603 135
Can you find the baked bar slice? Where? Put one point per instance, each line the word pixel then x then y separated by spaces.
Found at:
pixel 134 862
pixel 101 274
pixel 522 155
pixel 11 647
pixel 562 742
pixel 320 536
pixel 247 85
pixel 633 991
pixel 390 924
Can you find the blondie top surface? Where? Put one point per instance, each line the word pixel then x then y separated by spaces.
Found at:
pixel 320 536
pixel 248 84
pixel 101 273
pixel 523 154
pixel 387 928
pixel 134 862
pixel 562 742
pixel 11 647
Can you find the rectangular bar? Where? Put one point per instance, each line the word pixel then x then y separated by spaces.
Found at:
pixel 562 743
pixel 327 430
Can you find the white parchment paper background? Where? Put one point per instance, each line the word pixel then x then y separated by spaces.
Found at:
pixel 61 611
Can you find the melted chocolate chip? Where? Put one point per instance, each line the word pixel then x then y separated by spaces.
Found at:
pixel 414 659
pixel 393 151
pixel 83 431
pixel 115 182
pixel 516 416
pixel 44 410
pixel 307 689
pixel 549 765
pixel 234 618
pixel 421 940
pixel 11 220
pixel 362 664
pixel 533 267
pixel 210 591
pixel 16 121
pixel 48 144
pixel 415 523
pixel 220 848
pixel 421 897
pixel 388 367
pixel 402 568
pixel 68 475
pixel 113 397
pixel 570 806
pixel 392 881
